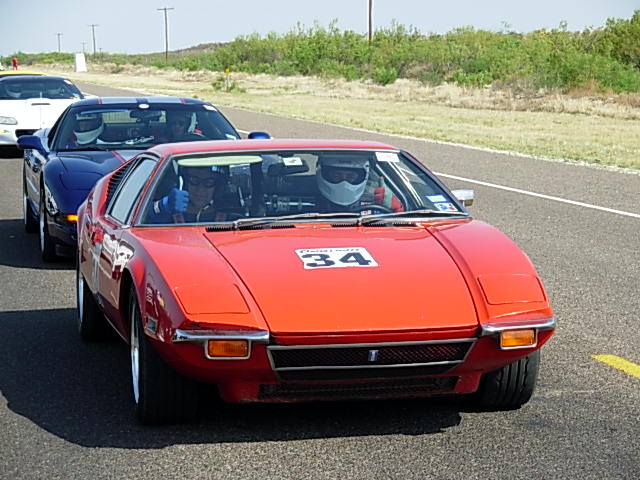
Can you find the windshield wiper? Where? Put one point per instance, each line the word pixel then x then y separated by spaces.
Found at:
pixel 256 222
pixel 247 223
pixel 425 212
pixel 83 149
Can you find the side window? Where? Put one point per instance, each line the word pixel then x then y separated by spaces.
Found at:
pixel 129 190
pixel 424 187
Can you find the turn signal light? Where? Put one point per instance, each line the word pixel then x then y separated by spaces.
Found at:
pixel 72 218
pixel 518 338
pixel 228 348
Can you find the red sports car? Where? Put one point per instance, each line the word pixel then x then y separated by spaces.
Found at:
pixel 291 270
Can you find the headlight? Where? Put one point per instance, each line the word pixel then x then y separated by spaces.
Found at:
pixel 50 203
pixel 8 120
pixel 519 333
pixel 228 348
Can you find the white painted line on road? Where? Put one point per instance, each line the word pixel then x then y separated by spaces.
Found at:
pixel 540 195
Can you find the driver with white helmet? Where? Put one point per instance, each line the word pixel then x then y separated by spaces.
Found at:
pixel 342 180
pixel 89 127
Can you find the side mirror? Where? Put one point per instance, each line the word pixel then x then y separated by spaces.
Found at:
pixel 465 196
pixel 31 142
pixel 258 136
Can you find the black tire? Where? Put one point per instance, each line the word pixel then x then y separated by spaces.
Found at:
pixel 30 224
pixel 511 386
pixel 47 246
pixel 161 395
pixel 92 325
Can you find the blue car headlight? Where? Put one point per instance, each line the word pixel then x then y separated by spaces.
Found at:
pixel 8 121
pixel 49 202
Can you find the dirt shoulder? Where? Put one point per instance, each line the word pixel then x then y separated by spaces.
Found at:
pixel 597 129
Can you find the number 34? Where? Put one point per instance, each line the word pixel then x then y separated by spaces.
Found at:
pixel 314 258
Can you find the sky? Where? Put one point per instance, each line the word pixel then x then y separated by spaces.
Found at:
pixel 137 26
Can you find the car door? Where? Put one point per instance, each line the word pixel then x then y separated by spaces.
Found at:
pixel 114 252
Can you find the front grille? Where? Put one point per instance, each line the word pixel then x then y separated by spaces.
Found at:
pixel 371 361
pixel 361 373
pixel 24 131
pixel 387 355
pixel 347 391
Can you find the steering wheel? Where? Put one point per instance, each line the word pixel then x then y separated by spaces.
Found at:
pixel 372 206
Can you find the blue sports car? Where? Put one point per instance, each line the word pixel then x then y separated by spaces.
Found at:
pixel 92 138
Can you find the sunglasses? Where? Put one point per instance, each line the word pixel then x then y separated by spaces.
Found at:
pixel 182 123
pixel 204 182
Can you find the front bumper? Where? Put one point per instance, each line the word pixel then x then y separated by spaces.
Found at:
pixel 62 232
pixel 8 136
pixel 281 370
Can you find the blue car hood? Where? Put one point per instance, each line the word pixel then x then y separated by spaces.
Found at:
pixel 95 162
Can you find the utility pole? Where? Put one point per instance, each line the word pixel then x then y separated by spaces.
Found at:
pixel 59 35
pixel 166 32
pixel 93 31
pixel 370 20
pixel 83 44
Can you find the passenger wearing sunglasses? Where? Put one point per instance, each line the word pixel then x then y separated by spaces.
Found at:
pixel 179 128
pixel 342 182
pixel 197 202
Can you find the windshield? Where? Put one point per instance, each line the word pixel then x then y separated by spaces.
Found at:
pixel 139 126
pixel 238 190
pixel 22 88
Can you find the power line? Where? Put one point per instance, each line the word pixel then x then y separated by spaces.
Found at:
pixel 166 31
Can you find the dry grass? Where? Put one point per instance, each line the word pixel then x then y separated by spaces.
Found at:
pixel 581 126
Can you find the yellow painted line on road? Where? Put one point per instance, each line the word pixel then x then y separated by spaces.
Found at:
pixel 619 363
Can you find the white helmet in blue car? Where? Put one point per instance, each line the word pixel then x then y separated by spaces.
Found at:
pixel 89 126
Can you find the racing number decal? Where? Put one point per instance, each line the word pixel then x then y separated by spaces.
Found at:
pixel 316 260
pixel 313 258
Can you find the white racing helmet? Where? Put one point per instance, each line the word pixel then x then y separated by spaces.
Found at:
pixel 89 126
pixel 342 178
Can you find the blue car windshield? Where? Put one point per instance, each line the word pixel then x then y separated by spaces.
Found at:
pixel 111 127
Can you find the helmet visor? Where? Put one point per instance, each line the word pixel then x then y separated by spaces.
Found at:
pixel 354 176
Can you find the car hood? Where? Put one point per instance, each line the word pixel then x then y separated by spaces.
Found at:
pixel 414 285
pixel 98 162
pixel 35 113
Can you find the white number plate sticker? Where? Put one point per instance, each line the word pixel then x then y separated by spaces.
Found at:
pixel 313 258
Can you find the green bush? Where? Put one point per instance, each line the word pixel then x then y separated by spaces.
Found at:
pixel 384 76
pixel 606 58
pixel 222 84
pixel 431 78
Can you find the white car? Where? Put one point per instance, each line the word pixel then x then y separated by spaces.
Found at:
pixel 31 102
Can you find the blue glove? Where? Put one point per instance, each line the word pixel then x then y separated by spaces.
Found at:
pixel 175 202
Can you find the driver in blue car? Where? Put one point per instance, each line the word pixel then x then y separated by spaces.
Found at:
pixel 88 128
pixel 203 199
pixel 342 182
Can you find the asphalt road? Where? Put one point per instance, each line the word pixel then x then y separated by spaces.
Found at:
pixel 66 411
